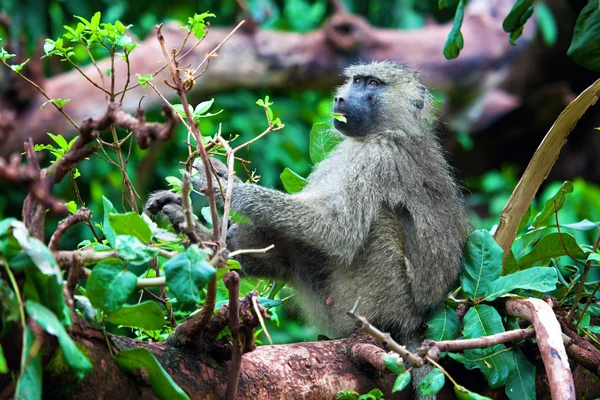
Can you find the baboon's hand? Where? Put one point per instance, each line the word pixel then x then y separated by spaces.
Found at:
pixel 168 204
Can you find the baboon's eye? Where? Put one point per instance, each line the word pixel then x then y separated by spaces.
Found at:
pixel 357 80
pixel 373 82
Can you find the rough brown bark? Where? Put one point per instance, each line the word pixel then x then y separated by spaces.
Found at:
pixel 315 370
pixel 269 59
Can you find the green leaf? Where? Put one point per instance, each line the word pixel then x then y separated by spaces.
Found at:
pixel 71 206
pixel 551 246
pixel 203 107
pixel 147 315
pixel 19 67
pixel 585 49
pixel 443 325
pixel 196 24
pixel 95 22
pixel 322 141
pixel 521 382
pixel 3 365
pixel 187 273
pixel 29 386
pixel 583 225
pixel 394 363
pixel 109 233
pixel 548 211
pixel 143 80
pixel 482 263
pixel 4 55
pixel 541 279
pixel 432 383
pixel 496 363
pixel 109 286
pixel 462 393
pixel 292 182
pixel 133 251
pixel 48 321
pixel 514 19
pixel 401 382
pixel 454 41
pixel 180 110
pixel 481 320
pixel 339 117
pixel 132 224
pixel 547 23
pixel 163 385
pixel 43 283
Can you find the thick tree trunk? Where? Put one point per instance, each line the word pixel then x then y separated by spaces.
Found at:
pixel 315 370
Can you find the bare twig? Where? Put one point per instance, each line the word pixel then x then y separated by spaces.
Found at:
pixel 249 251
pixel 232 282
pixel 385 339
pixel 212 53
pixel 549 340
pixel 187 208
pixel 484 341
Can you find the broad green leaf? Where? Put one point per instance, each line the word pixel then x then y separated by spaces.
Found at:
pixel 292 182
pixel 163 385
pixel 339 117
pixel 462 393
pixel 79 363
pixel 454 41
pixel 432 383
pixel 29 386
pixel 521 382
pixel 203 107
pixel 394 363
pixel 443 325
pixel 550 246
pixel 482 263
pixel 585 49
pixel 401 382
pixel 322 141
pixel 187 273
pixel 131 224
pixel 71 206
pixel 133 251
pixel 3 366
pixel 548 211
pixel 147 315
pixel 109 232
pixel 496 363
pixel 541 279
pixel 109 286
pixel 58 139
pixel 481 320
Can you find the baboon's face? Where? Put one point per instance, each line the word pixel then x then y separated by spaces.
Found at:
pixel 358 101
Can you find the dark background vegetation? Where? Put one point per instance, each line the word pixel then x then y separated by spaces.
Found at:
pixel 489 161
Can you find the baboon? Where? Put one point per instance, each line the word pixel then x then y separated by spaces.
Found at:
pixel 381 218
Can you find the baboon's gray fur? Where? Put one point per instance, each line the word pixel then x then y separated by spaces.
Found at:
pixel 381 218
